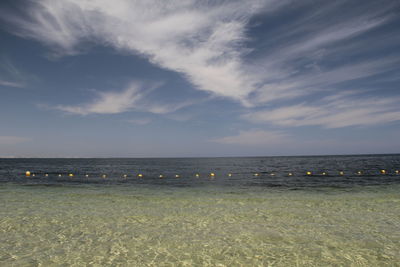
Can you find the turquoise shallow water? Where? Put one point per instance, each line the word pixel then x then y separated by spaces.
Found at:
pixel 148 225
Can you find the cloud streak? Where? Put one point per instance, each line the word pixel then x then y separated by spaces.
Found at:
pixel 11 76
pixel 12 84
pixel 133 97
pixel 332 112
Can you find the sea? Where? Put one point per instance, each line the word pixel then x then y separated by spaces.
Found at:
pixel 250 211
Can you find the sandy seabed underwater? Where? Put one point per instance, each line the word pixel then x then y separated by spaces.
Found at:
pixel 117 225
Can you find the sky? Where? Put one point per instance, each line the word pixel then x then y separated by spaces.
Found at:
pixel 128 78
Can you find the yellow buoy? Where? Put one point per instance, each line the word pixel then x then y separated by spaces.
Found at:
pixel 324 173
pixel 177 176
pixel 197 175
pixel 383 171
pixel 212 174
pixel 359 172
pixel 230 174
pixel 308 173
pixel 70 175
pixel 341 173
pixel 290 174
pixel 140 175
pixel 104 176
pixel 27 173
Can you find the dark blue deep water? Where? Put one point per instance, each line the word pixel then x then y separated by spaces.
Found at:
pixel 283 172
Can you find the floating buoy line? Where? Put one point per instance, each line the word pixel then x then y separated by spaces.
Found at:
pixel 213 175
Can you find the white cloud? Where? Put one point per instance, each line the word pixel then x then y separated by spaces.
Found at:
pixel 133 97
pixel 255 137
pixel 108 102
pixel 12 140
pixel 12 84
pixel 199 39
pixel 332 112
pixel 313 53
pixel 321 80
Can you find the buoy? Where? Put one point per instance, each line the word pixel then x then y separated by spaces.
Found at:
pixel 212 174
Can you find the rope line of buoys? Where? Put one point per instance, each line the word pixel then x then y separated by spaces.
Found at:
pixel 213 175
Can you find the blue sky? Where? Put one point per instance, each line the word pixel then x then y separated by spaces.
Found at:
pixel 100 78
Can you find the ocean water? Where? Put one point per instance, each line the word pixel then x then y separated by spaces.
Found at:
pixel 257 216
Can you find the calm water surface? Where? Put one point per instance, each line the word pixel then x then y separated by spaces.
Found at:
pixel 268 219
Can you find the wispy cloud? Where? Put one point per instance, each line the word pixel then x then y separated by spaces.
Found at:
pixel 133 97
pixel 12 84
pixel 321 81
pixel 311 54
pixel 108 102
pixel 12 140
pixel 200 39
pixel 255 137
pixel 332 112
pixel 11 76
